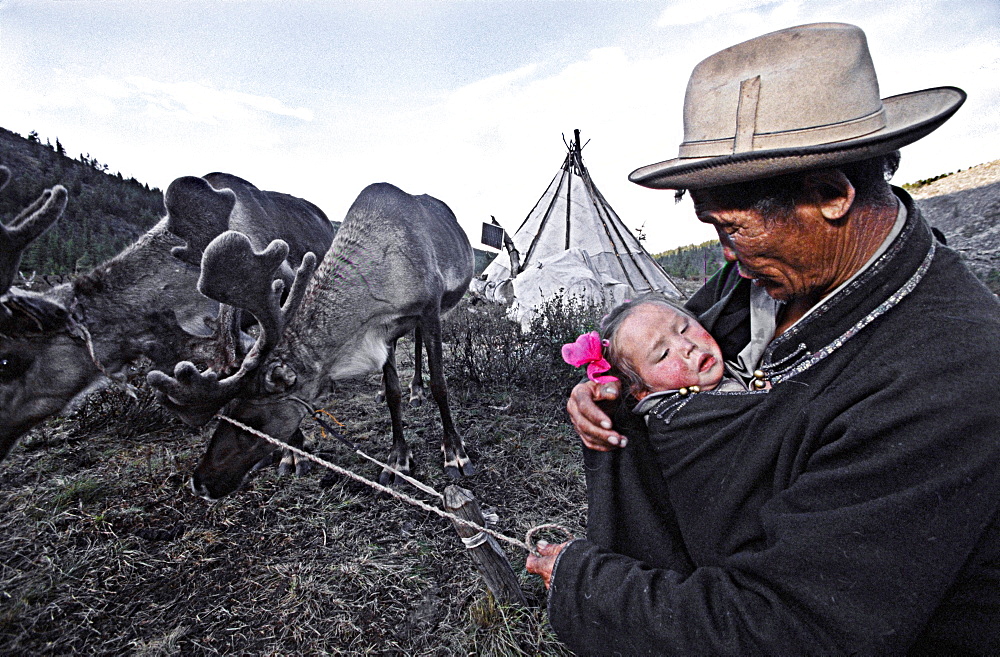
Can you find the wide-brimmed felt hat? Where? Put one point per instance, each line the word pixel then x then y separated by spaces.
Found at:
pixel 801 98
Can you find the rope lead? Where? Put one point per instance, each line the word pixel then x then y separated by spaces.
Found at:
pixel 483 531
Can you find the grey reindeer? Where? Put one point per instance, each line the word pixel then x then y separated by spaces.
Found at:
pixel 57 346
pixel 398 262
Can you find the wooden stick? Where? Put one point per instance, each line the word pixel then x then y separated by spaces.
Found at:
pixel 487 555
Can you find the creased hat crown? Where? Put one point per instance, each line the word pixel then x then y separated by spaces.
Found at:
pixel 798 98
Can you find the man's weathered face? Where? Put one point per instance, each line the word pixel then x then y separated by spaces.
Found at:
pixel 792 254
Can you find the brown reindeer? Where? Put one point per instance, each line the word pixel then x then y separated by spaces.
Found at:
pixel 57 346
pixel 397 263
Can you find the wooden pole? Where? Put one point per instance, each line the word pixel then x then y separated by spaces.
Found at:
pixel 487 555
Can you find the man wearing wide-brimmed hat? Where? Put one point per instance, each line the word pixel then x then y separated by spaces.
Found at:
pixel 848 500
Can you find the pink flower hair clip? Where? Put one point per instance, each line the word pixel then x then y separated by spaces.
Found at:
pixel 587 350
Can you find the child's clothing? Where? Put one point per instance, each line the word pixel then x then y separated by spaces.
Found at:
pixel 727 384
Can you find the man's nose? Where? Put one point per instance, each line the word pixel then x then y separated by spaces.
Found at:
pixel 727 250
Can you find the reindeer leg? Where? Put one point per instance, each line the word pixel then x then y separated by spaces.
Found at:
pixel 456 463
pixel 380 395
pixel 400 457
pixel 417 382
pixel 292 464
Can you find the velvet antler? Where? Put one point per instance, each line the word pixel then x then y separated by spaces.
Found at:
pixel 26 227
pixel 233 273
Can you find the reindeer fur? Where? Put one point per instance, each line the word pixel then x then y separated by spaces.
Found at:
pixel 397 263
pixel 141 302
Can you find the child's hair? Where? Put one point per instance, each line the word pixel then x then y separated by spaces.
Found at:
pixel 609 331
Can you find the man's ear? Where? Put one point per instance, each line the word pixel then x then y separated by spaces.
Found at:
pixel 831 192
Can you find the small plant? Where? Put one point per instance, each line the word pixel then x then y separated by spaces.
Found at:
pixel 83 491
pixel 910 187
pixel 125 411
pixel 501 630
pixel 488 349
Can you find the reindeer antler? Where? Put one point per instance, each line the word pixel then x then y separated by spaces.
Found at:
pixel 26 227
pixel 233 273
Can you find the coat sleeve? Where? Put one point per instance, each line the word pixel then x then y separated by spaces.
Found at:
pixel 859 549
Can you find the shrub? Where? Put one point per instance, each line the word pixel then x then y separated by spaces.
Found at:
pixel 126 412
pixel 487 349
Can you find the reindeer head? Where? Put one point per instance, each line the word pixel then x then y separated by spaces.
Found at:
pixel 44 363
pixel 233 453
pixel 39 338
pixel 233 273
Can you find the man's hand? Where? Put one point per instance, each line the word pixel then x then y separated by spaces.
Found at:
pixel 593 424
pixel 542 565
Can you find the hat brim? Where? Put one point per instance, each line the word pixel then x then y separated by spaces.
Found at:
pixel 909 117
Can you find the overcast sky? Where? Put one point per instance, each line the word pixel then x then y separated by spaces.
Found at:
pixel 466 101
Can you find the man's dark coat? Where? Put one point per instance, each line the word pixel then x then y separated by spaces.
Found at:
pixel 850 509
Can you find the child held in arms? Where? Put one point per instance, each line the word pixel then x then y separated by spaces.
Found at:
pixel 657 348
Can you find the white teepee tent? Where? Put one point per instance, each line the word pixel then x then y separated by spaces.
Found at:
pixel 572 243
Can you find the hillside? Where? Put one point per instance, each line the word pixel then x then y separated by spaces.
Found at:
pixel 965 206
pixel 105 211
pixel 693 262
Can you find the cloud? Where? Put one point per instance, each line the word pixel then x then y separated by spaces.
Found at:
pixel 491 147
pixel 200 103
pixel 689 12
pixel 188 102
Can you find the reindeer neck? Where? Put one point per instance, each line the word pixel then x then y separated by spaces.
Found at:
pixel 132 303
pixel 344 323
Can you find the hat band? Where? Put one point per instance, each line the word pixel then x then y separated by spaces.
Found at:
pixel 799 138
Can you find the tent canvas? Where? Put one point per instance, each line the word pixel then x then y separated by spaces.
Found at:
pixel 605 264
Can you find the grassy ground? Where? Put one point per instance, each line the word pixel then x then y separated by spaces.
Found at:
pixel 105 551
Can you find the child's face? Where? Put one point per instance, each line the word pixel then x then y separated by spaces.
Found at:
pixel 669 350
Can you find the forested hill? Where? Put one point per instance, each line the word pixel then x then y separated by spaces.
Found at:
pixel 105 211
pixel 697 261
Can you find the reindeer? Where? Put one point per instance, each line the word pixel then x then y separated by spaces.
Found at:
pixel 58 346
pixel 397 263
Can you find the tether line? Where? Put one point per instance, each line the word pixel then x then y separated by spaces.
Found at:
pixel 524 545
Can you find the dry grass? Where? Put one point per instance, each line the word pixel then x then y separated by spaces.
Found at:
pixel 105 551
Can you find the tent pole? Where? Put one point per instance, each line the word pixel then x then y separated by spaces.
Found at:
pixel 545 220
pixel 569 200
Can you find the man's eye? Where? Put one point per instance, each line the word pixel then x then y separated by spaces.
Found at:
pixel 12 366
pixel 685 327
pixel 665 354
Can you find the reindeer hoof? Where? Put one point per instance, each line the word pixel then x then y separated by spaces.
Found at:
pixel 291 464
pixel 265 462
pixel 391 479
pixel 416 402
pixel 459 466
pixel 456 472
pixel 387 479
